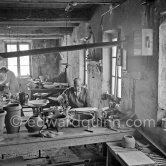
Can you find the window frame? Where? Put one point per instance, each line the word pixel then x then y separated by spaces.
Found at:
pixel 107 63
pixel 18 43
pixel 116 77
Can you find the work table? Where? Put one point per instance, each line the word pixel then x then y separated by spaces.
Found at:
pixel 24 142
pixel 55 91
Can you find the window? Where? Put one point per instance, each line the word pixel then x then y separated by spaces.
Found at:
pixel 112 72
pixel 116 73
pixel 19 65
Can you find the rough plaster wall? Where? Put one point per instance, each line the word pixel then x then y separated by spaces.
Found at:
pixel 162 66
pixel 146 97
pixel 128 93
pixel 46 64
pixel 39 60
pixel 73 70
pixel 139 92
pixel 158 134
pixel 94 84
pixel 72 56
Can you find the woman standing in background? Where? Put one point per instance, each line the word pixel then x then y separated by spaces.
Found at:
pixel 8 82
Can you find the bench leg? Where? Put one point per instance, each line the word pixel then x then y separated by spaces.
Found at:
pixel 108 160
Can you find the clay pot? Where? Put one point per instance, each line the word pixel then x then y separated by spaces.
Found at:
pixel 13 117
pixel 2 119
pixel 34 123
pixel 2 87
pixel 23 98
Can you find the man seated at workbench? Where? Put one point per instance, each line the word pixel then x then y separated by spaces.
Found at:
pixel 76 96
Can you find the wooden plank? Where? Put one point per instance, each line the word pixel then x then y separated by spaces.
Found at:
pixel 151 140
pixel 126 156
pixel 58 49
pixel 135 158
pixel 25 142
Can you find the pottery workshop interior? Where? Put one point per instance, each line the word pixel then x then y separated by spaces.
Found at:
pixel 82 83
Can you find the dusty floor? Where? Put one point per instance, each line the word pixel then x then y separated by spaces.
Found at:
pixel 88 155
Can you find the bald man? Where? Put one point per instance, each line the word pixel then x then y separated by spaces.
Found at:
pixel 76 96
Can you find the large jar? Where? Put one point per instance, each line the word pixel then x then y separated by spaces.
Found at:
pixel 2 119
pixel 13 117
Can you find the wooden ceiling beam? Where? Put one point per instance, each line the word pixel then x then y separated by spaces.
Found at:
pixel 30 37
pixel 59 1
pixel 34 30
pixel 58 49
pixel 44 15
pixel 61 23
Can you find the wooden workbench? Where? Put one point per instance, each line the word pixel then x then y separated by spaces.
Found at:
pixel 24 142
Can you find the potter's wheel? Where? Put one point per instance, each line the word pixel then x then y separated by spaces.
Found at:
pixel 38 103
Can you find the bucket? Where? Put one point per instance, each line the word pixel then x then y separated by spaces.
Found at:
pixel 82 120
pixel 13 118
pixel 2 119
pixel 57 121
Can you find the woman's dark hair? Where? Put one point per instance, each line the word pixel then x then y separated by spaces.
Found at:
pixel 3 70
